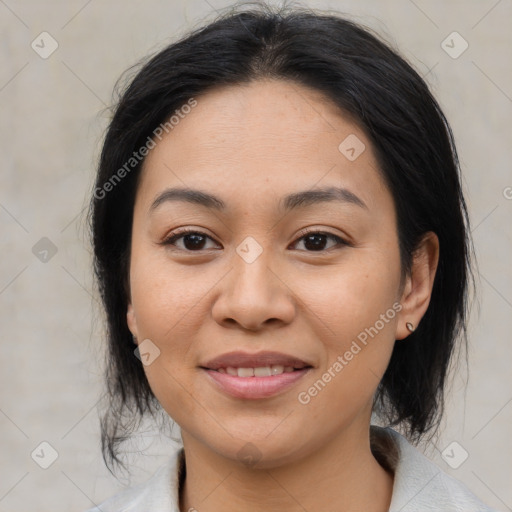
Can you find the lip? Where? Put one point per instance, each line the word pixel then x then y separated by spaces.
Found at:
pixel 247 360
pixel 254 388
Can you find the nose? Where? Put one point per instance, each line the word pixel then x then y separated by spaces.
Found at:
pixel 253 296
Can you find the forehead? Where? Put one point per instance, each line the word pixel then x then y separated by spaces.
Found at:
pixel 263 139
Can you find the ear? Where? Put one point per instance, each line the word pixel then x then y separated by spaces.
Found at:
pixel 132 321
pixel 419 283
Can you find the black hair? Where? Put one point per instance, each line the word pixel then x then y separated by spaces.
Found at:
pixel 417 158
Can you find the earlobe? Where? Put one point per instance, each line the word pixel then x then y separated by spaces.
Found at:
pixel 418 288
pixel 132 322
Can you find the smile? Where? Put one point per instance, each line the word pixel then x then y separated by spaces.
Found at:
pixel 262 371
pixel 255 376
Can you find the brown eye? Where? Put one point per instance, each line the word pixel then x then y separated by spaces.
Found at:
pixel 192 240
pixel 316 241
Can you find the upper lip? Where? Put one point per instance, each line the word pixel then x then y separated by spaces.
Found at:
pixel 257 360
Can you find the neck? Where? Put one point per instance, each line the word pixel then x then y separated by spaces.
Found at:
pixel 342 475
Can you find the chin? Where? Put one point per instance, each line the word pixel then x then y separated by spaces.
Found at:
pixel 258 451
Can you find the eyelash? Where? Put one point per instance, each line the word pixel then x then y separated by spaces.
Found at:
pixel 171 239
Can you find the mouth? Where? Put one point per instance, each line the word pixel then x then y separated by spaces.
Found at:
pixel 255 376
pixel 260 371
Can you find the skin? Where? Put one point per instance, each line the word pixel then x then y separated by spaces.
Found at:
pixel 250 145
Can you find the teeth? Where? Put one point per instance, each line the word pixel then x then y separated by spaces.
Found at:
pixel 246 372
pixel 276 369
pixel 262 371
pixel 265 371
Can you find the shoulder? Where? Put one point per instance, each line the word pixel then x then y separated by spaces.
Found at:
pixel 158 494
pixel 422 486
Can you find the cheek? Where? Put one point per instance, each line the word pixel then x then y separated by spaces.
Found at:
pixel 350 297
pixel 164 295
pixel 357 330
pixel 355 312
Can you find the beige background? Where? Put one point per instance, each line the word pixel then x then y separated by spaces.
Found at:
pixel 52 120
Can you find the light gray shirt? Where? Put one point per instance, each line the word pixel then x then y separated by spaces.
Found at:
pixel 419 485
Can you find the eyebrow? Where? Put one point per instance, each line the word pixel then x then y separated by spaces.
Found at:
pixel 292 201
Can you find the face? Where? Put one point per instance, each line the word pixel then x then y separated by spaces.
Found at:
pixel 274 275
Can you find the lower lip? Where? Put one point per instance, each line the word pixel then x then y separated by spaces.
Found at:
pixel 255 387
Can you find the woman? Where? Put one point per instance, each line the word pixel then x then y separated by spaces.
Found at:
pixel 282 247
